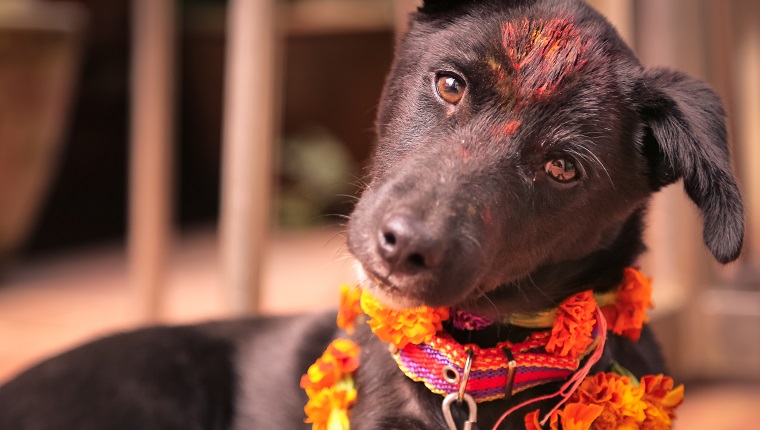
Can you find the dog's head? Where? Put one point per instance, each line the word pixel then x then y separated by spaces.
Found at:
pixel 518 144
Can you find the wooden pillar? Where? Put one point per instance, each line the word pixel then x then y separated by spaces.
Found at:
pixel 401 11
pixel 621 14
pixel 747 113
pixel 669 35
pixel 150 168
pixel 248 139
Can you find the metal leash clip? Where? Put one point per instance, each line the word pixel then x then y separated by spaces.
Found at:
pixel 459 397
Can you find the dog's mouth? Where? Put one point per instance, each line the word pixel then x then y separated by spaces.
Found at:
pixel 385 291
pixel 402 297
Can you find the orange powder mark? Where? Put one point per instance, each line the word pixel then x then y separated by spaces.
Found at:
pixel 511 127
pixel 542 54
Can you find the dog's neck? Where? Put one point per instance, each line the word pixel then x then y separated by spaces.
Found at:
pixel 600 271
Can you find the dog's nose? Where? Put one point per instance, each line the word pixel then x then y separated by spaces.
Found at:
pixel 408 245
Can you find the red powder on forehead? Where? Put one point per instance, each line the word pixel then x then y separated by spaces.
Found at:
pixel 511 127
pixel 542 54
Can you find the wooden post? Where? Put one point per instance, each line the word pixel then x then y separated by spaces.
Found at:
pixel 620 13
pixel 150 169
pixel 248 139
pixel 401 11
pixel 747 113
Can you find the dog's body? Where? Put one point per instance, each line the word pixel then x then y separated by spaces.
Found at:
pixel 518 144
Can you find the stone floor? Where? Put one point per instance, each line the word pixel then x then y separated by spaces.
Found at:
pixel 50 305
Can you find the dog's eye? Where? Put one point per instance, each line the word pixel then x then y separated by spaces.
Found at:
pixel 450 88
pixel 562 170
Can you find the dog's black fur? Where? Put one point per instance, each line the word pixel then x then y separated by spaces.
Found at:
pixel 457 211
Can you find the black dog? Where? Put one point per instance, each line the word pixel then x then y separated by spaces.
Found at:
pixel 518 144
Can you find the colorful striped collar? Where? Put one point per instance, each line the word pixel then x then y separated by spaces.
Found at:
pixel 493 373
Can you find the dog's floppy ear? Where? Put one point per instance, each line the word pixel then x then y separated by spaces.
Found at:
pixel 687 138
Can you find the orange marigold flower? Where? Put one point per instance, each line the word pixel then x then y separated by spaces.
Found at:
pixel 327 409
pixel 532 421
pixel 344 353
pixel 659 389
pixel 340 358
pixel 350 308
pixel 578 416
pixel 320 375
pixel 574 416
pixel 628 314
pixel 401 327
pixel 571 334
pixel 621 400
pixel 661 400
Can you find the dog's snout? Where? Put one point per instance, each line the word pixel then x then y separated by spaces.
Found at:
pixel 407 244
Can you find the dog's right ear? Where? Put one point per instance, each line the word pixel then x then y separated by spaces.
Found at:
pixel 686 138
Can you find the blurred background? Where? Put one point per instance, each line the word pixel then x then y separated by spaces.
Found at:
pixel 177 161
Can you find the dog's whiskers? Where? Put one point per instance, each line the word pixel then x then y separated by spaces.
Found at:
pixel 594 158
pixel 349 196
pixel 473 240
pixel 537 288
pixel 491 302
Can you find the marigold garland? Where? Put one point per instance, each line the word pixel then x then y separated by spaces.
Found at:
pixel 401 327
pixel 602 402
pixel 330 386
pixel 628 314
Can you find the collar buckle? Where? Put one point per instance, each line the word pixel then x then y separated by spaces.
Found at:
pixel 511 371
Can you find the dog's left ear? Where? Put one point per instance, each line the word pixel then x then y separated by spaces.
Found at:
pixel 687 138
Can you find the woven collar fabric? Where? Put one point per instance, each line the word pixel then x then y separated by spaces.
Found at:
pixel 488 377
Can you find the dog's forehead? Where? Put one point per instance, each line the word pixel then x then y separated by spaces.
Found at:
pixel 532 59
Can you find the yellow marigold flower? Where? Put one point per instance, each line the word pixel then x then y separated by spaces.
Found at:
pixel 338 420
pixel 350 309
pixel 628 314
pixel 401 327
pixel 328 408
pixel 571 334
pixel 622 402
